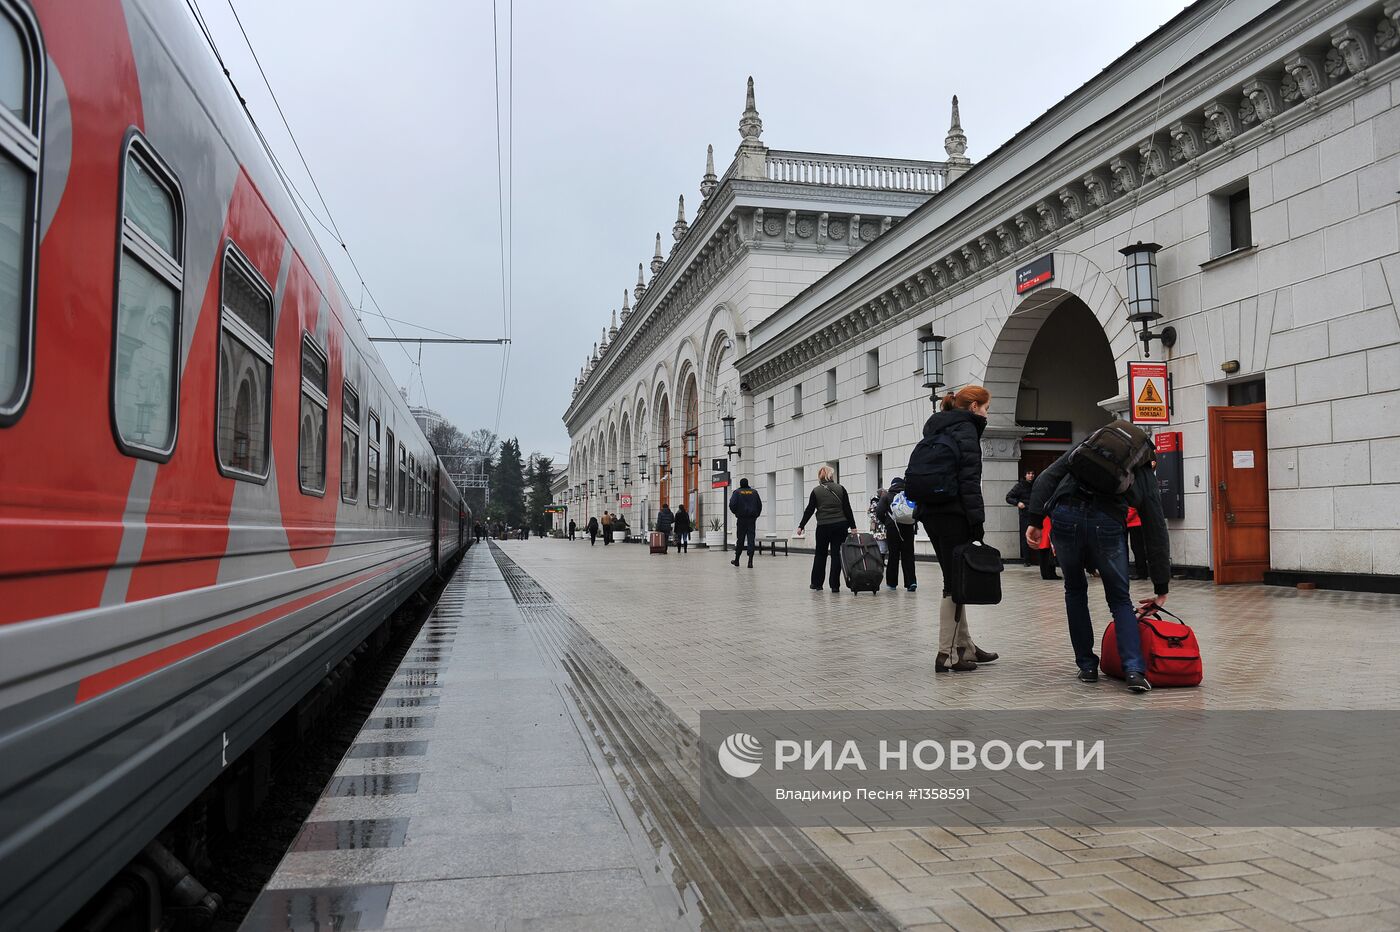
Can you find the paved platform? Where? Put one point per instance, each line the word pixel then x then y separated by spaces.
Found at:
pixel 699 634
pixel 473 798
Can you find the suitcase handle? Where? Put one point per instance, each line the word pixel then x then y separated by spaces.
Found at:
pixel 1156 609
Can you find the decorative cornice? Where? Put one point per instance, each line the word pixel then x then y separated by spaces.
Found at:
pixel 684 277
pixel 1206 137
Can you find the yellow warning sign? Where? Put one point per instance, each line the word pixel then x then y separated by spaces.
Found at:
pixel 1148 395
pixel 1148 389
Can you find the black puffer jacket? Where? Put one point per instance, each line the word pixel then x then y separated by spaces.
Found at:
pixel 966 428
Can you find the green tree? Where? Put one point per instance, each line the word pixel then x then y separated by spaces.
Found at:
pixel 508 486
pixel 541 476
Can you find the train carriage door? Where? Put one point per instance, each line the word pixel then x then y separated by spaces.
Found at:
pixel 1239 484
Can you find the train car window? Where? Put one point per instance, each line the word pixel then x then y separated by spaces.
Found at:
pixel 389 470
pixel 349 444
pixel 150 282
pixel 372 461
pixel 412 486
pixel 311 448
pixel 21 137
pixel 245 369
pixel 403 478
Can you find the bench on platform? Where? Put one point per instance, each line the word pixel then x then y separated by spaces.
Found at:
pixel 771 541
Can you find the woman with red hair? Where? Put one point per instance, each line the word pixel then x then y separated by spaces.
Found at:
pixel 963 416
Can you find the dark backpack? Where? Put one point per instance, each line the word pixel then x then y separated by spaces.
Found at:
pixel 1104 462
pixel 932 476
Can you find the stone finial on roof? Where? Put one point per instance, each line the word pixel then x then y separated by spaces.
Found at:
pixel 955 144
pixel 710 181
pixel 680 228
pixel 750 124
pixel 751 161
pixel 641 288
pixel 626 308
pixel 612 328
pixel 657 261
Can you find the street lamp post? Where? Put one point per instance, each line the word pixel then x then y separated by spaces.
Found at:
pixel 729 450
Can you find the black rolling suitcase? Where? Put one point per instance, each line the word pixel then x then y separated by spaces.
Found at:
pixel 862 563
pixel 976 574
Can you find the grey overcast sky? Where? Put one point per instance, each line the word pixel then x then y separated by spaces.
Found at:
pixel 613 103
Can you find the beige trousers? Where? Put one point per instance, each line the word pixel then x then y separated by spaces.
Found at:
pixel 954 639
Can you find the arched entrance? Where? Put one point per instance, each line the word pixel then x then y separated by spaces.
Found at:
pixel 1068 369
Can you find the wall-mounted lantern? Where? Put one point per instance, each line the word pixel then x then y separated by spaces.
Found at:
pixel 931 354
pixel 1144 303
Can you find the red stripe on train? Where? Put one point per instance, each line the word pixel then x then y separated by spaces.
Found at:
pixel 96 684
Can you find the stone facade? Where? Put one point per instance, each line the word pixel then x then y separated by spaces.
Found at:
pixel 773 224
pixel 1295 104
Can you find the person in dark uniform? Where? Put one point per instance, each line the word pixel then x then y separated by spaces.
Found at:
pixel 746 506
pixel 1020 496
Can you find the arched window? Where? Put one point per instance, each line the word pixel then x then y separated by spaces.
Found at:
pixel 21 138
pixel 150 282
pixel 349 444
pixel 311 452
pixel 245 346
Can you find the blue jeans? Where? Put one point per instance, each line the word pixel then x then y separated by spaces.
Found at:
pixel 1084 534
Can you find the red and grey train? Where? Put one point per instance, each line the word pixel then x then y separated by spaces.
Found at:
pixel 211 490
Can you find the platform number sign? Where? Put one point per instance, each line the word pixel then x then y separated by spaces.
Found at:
pixel 1148 390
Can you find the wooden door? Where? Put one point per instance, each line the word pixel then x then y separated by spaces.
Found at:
pixel 1239 484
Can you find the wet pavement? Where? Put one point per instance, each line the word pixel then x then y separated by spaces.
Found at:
pixel 533 764
pixel 514 776
pixel 701 635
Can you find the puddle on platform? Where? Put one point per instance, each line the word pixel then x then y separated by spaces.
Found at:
pixel 349 834
pixel 374 784
pixel 387 749
pixel 339 908
pixel 409 702
pixel 391 722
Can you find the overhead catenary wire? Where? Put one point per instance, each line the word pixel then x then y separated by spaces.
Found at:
pixel 298 199
pixel 1161 89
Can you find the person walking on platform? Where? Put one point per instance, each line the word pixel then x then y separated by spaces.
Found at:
pixel 900 531
pixel 573 528
pixel 1019 496
pixel 958 519
pixel 746 507
pixel 1081 493
pixel 607 528
pixel 592 530
pixel 683 529
pixel 665 522
pixel 832 506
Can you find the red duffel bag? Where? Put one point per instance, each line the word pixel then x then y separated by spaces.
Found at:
pixel 1170 651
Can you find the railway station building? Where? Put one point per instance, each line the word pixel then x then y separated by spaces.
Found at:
pixel 1244 159
pixel 645 417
